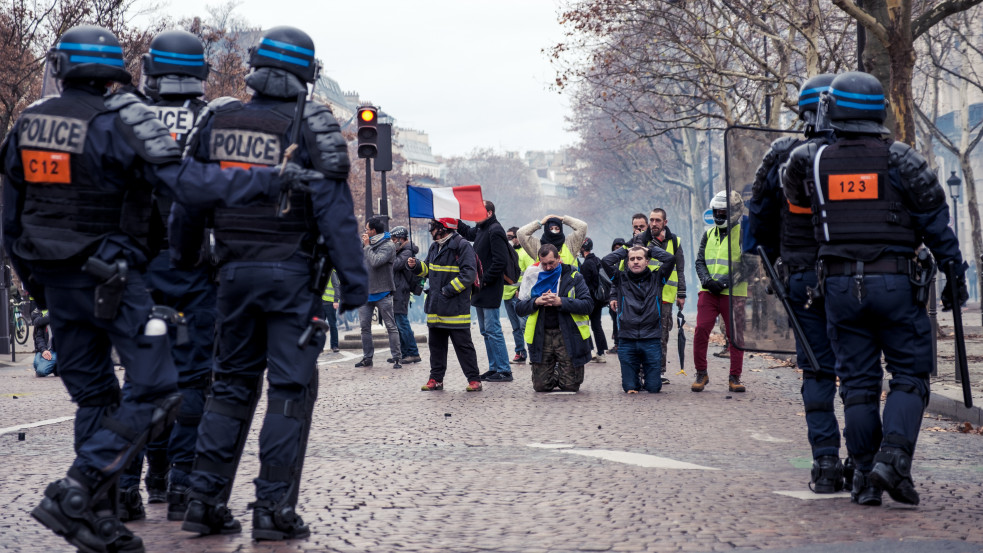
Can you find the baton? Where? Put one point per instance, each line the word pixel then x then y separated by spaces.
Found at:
pixel 283 205
pixel 779 287
pixel 957 322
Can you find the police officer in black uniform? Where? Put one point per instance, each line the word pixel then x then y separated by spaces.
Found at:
pixel 80 168
pixel 267 294
pixel 173 78
pixel 874 201
pixel 786 231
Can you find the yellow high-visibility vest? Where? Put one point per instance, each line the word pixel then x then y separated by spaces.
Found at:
pixel 583 321
pixel 716 257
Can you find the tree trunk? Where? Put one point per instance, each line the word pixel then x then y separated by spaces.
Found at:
pixel 902 55
pixel 974 215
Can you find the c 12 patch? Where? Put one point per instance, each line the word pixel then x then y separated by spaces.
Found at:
pixel 43 167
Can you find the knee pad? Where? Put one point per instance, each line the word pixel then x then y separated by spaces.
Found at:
pixel 911 385
pixel 859 397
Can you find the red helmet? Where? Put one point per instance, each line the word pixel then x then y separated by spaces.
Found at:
pixel 448 222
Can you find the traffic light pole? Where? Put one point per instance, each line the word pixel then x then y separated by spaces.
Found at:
pixel 368 189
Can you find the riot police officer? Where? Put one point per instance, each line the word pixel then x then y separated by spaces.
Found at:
pixel 80 167
pixel 267 294
pixel 873 202
pixel 173 78
pixel 786 230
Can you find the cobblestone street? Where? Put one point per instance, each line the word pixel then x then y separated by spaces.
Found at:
pixel 391 468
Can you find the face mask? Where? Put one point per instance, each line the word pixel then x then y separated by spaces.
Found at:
pixel 557 231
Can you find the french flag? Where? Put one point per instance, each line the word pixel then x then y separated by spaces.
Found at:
pixel 459 202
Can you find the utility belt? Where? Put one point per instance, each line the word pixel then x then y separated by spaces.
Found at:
pixel 919 270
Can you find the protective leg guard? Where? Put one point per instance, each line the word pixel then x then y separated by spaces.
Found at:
pixel 177 501
pixel 277 522
pixel 206 517
pixel 130 506
pixel 827 474
pixel 863 492
pixel 849 467
pixel 67 510
pixel 892 473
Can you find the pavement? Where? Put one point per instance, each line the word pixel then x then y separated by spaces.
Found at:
pixel 391 468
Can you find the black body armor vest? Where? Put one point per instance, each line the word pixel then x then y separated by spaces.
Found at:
pixel 68 208
pixel 246 138
pixel 858 205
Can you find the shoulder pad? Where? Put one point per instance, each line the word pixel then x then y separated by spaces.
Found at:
pixel 218 105
pixel 918 181
pixel 327 147
pixel 775 155
pixel 142 130
pixel 223 103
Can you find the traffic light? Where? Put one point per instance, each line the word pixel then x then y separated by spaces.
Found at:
pixel 368 131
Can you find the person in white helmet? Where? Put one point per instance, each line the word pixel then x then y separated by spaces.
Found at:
pixel 720 249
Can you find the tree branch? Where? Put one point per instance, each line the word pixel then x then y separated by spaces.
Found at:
pixel 865 19
pixel 939 12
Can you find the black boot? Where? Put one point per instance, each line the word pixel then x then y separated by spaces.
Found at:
pixel 277 522
pixel 177 501
pixel 892 473
pixel 131 504
pixel 827 474
pixel 863 492
pixel 848 468
pixel 156 486
pixel 67 510
pixel 208 519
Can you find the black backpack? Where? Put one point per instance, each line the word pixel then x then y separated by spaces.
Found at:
pixel 512 272
pixel 602 292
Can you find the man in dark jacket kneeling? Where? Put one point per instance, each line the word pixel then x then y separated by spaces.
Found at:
pixel 558 303
pixel 637 298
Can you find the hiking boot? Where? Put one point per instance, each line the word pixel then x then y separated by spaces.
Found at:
pixel 432 386
pixel 275 523
pixel 66 509
pixel 131 504
pixel 734 383
pixel 485 375
pixel 892 473
pixel 365 362
pixel 412 359
pixel 177 501
pixel 473 386
pixel 156 486
pixel 863 492
pixel 827 474
pixel 519 358
pixel 208 520
pixel 702 379
pixel 498 377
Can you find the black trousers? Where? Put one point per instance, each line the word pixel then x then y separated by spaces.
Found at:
pixel 463 347
pixel 600 342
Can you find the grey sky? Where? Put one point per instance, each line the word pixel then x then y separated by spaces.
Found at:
pixel 470 73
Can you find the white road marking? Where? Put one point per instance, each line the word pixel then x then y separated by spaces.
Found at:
pixel 12 429
pixel 345 357
pixel 809 495
pixel 638 459
pixel 766 438
pixel 551 446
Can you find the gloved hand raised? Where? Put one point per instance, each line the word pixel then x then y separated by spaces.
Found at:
pixel 295 177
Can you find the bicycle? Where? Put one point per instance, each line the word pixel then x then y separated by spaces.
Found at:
pixel 21 325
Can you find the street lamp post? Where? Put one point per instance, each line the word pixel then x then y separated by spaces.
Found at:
pixel 954 183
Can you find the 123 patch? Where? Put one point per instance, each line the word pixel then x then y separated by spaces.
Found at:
pixel 853 187
pixel 46 167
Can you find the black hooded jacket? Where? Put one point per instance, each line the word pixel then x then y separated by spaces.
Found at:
pixel 491 246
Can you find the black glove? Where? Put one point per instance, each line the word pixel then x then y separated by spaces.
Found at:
pixel 640 239
pixel 295 177
pixel 713 286
pixel 947 293
pixel 724 282
pixel 447 291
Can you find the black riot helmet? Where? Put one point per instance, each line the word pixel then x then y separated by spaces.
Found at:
pixel 87 52
pixel 176 53
pixel 856 104
pixel 809 96
pixel 287 48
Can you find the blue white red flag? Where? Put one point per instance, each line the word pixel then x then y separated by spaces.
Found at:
pixel 459 202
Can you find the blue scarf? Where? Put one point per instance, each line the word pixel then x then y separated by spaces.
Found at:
pixel 548 280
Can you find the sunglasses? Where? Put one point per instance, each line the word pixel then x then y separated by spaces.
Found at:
pixel 510 237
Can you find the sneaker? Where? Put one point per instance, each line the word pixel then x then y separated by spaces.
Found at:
pixel 432 386
pixel 365 362
pixel 499 377
pixel 412 359
pixel 702 379
pixel 734 383
pixel 599 358
pixel 274 523
pixel 519 358
pixel 473 386
pixel 485 375
pixel 665 380
pixel 335 350
pixel 208 520
pixel 130 506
